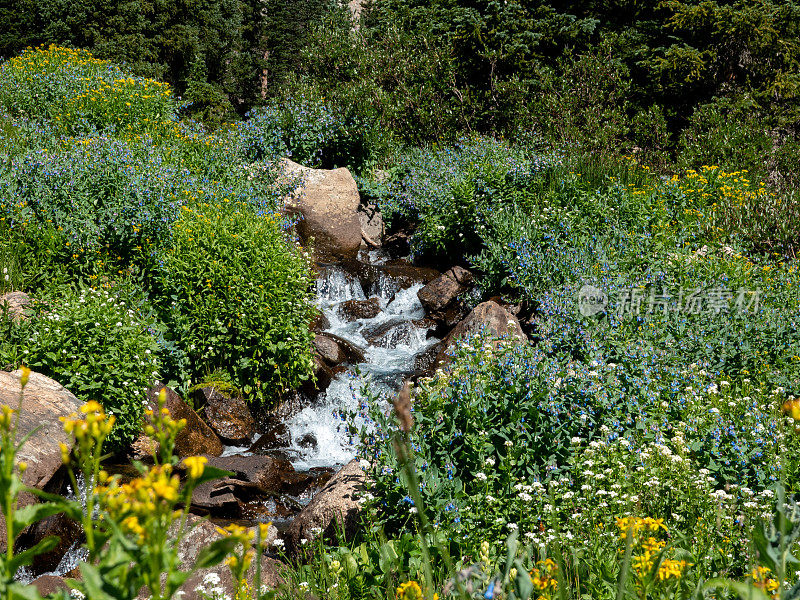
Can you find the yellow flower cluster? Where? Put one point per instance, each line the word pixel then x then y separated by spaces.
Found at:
pixel 409 590
pixel 195 465
pixel 6 418
pixel 636 524
pixel 543 576
pixel 145 504
pixel 94 424
pixel 46 59
pixel 762 578
pixel 239 563
pixel 670 568
pixel 164 425
pixel 88 88
pixel 792 408
pixel 648 548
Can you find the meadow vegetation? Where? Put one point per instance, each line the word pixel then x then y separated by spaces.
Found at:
pixel 154 247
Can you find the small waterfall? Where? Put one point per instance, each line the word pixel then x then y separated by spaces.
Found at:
pixel 391 340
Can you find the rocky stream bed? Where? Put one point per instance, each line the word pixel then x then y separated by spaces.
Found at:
pixel 382 321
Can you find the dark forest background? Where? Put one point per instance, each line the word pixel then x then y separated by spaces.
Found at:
pixel 678 82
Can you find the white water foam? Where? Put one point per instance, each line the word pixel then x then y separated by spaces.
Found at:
pixel 390 341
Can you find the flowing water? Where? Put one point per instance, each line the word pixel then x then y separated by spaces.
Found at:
pixel 390 342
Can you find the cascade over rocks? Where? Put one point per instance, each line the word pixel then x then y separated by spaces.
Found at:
pixel 360 309
pixel 335 506
pixel 328 202
pixel 393 275
pixel 323 375
pixel 197 437
pixel 277 436
pixel 350 352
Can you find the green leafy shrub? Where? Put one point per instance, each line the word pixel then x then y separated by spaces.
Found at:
pixel 582 102
pixel 445 189
pixel 93 207
pixel 311 131
pixel 95 344
pixel 236 296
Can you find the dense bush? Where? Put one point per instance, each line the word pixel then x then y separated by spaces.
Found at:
pixel 236 295
pixel 97 345
pixel 311 132
pixel 445 190
pixel 151 209
pixel 674 411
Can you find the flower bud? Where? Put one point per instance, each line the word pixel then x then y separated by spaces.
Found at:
pixel 26 373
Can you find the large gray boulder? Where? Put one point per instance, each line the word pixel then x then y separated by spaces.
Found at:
pixel 328 202
pixel 43 403
pixel 335 506
pixel 489 318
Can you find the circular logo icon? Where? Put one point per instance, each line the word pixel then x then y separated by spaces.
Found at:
pixel 591 300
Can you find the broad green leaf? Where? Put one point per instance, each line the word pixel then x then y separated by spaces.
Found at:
pixel 93 582
pixel 745 591
pixel 523 583
pixel 17 591
pixel 176 579
pixel 511 545
pixel 28 515
pixel 211 473
pixel 214 553
pixel 25 558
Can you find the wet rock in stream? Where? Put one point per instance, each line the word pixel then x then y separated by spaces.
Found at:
pixel 197 437
pixel 227 414
pixel 353 310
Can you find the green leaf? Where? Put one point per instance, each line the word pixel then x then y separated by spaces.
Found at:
pixel 25 558
pixel 18 591
pixel 745 591
pixel 511 545
pixel 28 515
pixel 215 553
pixel 388 557
pixel 211 473
pixel 176 579
pixel 523 583
pixel 93 582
